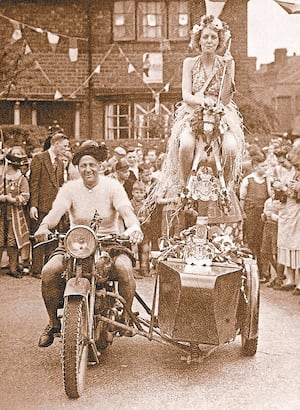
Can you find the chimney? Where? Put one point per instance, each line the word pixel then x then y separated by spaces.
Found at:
pixel 280 56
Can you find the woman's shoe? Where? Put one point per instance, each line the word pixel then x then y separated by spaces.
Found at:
pixel 296 292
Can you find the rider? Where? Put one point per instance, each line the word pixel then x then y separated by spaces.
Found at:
pixel 81 198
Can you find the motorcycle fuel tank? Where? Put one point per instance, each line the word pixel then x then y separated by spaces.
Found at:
pixel 198 303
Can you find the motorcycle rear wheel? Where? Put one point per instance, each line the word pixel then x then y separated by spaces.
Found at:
pixel 75 346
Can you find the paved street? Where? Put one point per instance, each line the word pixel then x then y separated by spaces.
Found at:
pixel 138 374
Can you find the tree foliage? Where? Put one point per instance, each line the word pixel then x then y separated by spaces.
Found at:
pixel 13 64
pixel 28 136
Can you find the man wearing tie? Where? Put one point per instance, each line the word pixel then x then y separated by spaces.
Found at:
pixel 46 176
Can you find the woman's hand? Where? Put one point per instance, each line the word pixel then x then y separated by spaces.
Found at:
pixel 199 98
pixel 10 199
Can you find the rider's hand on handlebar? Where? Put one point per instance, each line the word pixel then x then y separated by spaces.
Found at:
pixel 134 234
pixel 42 234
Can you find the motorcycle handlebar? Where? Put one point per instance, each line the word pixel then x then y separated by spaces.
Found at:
pixel 121 239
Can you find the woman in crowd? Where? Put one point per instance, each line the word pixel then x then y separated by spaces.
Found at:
pixel 289 224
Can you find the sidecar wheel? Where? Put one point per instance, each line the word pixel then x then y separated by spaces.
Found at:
pixel 75 347
pixel 249 305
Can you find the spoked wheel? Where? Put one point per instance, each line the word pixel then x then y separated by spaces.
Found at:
pixel 75 346
pixel 250 312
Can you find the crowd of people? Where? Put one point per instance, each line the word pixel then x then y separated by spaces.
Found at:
pixel 263 184
pixel 268 196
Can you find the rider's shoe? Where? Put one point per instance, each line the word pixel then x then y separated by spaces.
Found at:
pixel 15 274
pixel 125 332
pixel 47 337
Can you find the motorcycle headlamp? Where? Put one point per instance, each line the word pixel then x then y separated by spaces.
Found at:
pixel 80 242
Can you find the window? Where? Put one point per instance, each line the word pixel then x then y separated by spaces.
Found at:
pixel 297 110
pixel 117 121
pixel 124 20
pixel 179 20
pixel 151 18
pixel 149 125
pixel 137 120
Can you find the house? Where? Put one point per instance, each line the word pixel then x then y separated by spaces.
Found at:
pixel 277 84
pixel 87 62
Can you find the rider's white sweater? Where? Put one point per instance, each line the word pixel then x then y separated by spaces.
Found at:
pixel 107 197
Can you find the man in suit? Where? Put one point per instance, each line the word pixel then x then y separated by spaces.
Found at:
pixel 46 176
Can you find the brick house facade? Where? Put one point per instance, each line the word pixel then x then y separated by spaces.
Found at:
pixel 113 36
pixel 277 84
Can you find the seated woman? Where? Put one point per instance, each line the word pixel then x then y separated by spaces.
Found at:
pixel 207 82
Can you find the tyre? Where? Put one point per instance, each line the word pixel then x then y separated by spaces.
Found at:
pixel 249 346
pixel 250 312
pixel 75 346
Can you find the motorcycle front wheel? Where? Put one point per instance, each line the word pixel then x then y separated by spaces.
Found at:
pixel 75 346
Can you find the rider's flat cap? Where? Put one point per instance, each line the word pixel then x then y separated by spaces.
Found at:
pixel 99 153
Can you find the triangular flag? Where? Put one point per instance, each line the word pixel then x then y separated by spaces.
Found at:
pixel 39 30
pixel 131 68
pixel 214 7
pixel 167 87
pixel 53 40
pixel 36 65
pixel 17 33
pixel 97 69
pixel 57 95
pixel 290 8
pixel 27 50
pixel 73 49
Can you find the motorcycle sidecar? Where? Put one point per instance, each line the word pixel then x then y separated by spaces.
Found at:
pixel 208 305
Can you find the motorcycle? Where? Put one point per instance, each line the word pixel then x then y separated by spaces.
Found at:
pixel 193 306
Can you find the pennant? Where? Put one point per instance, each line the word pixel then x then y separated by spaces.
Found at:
pixel 36 65
pixel 131 68
pixel 53 40
pixel 17 33
pixel 57 95
pixel 27 50
pixel 167 87
pixel 97 69
pixel 214 7
pixel 290 8
pixel 39 30
pixel 157 103
pixel 73 49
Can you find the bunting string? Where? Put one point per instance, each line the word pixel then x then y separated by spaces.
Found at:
pixel 38 29
pixel 96 71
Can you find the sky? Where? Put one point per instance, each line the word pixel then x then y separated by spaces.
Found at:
pixel 270 27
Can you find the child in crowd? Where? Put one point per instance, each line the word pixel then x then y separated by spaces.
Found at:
pixel 14 195
pixel 138 197
pixel 269 242
pixel 172 218
pixel 255 188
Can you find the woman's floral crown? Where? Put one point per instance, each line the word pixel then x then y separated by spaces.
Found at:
pixel 214 23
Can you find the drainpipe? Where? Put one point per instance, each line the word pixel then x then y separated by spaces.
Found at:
pixel 90 69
